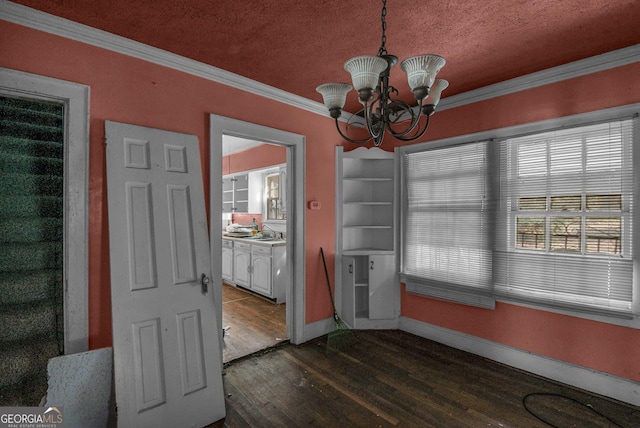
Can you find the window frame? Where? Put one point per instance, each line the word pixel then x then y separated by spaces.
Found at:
pixel 583 119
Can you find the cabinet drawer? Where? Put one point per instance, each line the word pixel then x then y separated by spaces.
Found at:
pixel 260 249
pixel 227 243
pixel 242 246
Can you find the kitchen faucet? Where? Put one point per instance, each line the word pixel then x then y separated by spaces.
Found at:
pixel 276 234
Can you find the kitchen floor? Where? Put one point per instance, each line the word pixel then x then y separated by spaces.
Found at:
pixel 252 323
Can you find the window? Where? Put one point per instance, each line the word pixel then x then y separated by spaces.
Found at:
pixel 274 196
pixel 560 233
pixel 566 205
pixel 447 226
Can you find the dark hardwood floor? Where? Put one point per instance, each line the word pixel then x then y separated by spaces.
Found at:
pixel 393 378
pixel 251 323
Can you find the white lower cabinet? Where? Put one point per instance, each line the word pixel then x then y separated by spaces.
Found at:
pixel 227 260
pixel 241 264
pixel 368 284
pixel 260 268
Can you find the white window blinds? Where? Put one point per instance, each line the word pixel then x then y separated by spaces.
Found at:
pixel 543 219
pixel 564 224
pixel 447 233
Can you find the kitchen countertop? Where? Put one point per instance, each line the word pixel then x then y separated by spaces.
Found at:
pixel 254 241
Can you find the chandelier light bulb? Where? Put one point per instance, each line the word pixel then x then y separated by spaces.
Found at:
pixel 422 70
pixel 334 95
pixel 365 71
pixel 436 91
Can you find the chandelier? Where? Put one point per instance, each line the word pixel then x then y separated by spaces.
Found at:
pixel 381 113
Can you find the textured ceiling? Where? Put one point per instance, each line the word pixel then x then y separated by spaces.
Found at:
pixel 295 45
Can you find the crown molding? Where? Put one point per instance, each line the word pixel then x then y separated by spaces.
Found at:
pixel 42 21
pixel 594 64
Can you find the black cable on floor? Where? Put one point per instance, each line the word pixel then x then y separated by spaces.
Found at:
pixel 550 394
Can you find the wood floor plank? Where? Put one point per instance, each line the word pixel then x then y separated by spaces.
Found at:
pixel 251 323
pixel 395 379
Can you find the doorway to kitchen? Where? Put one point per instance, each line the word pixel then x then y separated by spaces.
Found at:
pixel 257 239
pixel 254 270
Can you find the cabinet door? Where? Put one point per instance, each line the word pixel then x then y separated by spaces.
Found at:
pixel 227 264
pixel 241 263
pixel 261 274
pixel 227 195
pixel 348 314
pixel 381 287
pixel 241 193
pixel 227 184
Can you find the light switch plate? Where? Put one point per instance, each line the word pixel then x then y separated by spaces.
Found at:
pixel 314 205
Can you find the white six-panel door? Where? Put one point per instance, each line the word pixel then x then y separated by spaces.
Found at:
pixel 167 357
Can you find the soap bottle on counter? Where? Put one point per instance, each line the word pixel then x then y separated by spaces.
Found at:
pixel 254 230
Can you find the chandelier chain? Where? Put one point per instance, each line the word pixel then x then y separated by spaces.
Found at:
pixel 383 48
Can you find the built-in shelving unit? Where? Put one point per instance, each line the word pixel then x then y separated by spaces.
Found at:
pixel 365 236
pixel 367 216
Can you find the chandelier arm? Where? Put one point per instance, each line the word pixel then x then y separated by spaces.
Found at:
pixel 415 119
pixel 414 137
pixel 351 140
pixel 369 117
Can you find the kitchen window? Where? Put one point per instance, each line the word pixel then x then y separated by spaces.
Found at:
pixel 546 219
pixel 274 196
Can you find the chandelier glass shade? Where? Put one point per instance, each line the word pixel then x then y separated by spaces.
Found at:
pixel 382 113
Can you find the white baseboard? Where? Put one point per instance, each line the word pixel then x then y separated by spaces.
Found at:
pixel 318 328
pixel 581 377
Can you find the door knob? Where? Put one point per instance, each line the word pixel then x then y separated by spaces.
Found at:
pixel 204 281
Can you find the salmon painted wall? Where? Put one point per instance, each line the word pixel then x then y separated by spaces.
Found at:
pixel 256 158
pixel 601 346
pixel 130 90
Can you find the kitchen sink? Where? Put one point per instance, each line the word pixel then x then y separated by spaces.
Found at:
pixel 266 239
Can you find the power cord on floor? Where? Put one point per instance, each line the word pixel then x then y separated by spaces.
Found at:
pixel 549 394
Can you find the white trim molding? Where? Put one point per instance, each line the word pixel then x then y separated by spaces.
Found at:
pixel 606 61
pixel 585 378
pixel 75 99
pixel 220 126
pixel 42 21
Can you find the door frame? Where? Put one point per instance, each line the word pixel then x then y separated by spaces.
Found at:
pixel 295 145
pixel 75 99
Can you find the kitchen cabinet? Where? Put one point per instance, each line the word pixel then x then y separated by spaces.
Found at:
pixel 241 264
pixel 235 194
pixel 366 218
pixel 261 281
pixel 368 289
pixel 227 260
pixel 260 267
